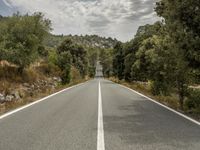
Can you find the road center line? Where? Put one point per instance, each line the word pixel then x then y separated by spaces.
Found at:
pixel 100 130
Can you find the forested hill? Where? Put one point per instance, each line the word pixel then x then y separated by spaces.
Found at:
pixel 93 41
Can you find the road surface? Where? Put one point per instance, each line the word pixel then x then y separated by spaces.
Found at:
pixel 71 121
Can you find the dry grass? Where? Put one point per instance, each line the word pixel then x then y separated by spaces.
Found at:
pixel 15 104
pixel 170 101
pixel 10 79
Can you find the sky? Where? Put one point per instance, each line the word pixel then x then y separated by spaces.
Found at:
pixel 118 19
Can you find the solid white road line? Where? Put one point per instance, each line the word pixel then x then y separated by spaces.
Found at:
pixel 100 130
pixel 38 101
pixel 170 109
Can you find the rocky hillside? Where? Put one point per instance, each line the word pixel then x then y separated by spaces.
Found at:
pixel 93 41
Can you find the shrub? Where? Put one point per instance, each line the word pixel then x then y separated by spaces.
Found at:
pixel 75 74
pixel 66 75
pixel 193 101
pixel 49 69
pixel 23 36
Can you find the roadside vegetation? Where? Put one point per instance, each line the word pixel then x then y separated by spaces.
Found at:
pixel 35 63
pixel 163 60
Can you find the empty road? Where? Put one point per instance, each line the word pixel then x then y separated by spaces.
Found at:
pixel 97 115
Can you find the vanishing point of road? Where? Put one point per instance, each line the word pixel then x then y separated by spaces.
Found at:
pixel 97 115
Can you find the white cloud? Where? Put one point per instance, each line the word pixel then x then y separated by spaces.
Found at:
pixel 116 18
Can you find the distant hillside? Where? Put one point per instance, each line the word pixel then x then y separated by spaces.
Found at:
pixel 87 41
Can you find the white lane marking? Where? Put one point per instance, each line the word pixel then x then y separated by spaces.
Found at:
pixel 170 109
pixel 100 130
pixel 38 101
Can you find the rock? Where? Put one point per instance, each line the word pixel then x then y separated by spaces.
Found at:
pixel 9 98
pixel 57 79
pixel 26 85
pixel 23 92
pixel 32 86
pixel 2 98
pixel 16 95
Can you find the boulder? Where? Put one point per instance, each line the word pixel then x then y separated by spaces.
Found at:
pixel 26 85
pixel 57 79
pixel 2 98
pixel 9 98
pixel 16 95
pixel 23 92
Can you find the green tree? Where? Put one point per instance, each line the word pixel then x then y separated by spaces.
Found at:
pixel 78 54
pixel 118 61
pixel 22 36
pixel 181 19
pixel 106 59
pixel 64 63
pixel 132 71
pixel 92 59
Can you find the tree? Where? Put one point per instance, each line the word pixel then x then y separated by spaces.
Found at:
pixel 78 54
pixel 22 36
pixel 181 19
pixel 131 71
pixel 106 59
pixel 118 61
pixel 92 59
pixel 64 63
pixel 130 49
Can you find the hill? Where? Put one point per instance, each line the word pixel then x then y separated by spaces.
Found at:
pixel 93 41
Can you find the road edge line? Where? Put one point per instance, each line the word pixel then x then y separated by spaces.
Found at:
pixel 38 101
pixel 100 128
pixel 162 105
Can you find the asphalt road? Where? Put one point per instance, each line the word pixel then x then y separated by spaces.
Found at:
pixel 70 121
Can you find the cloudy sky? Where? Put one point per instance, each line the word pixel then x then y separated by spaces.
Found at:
pixel 110 18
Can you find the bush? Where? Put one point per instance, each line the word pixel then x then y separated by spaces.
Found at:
pixel 193 101
pixel 75 74
pixel 91 71
pixel 49 69
pixel 159 88
pixel 66 75
pixel 22 37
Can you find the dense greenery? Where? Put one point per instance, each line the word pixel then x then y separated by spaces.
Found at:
pixel 21 37
pixel 70 53
pixel 26 39
pixel 87 41
pixel 166 53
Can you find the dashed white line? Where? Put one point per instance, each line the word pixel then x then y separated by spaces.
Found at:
pixel 100 130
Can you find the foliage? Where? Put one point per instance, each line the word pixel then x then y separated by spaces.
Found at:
pixel 21 36
pixel 93 54
pixel 87 41
pixel 193 101
pixel 182 22
pixel 118 61
pixel 165 53
pixel 78 55
pixel 106 59
pixel 64 63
